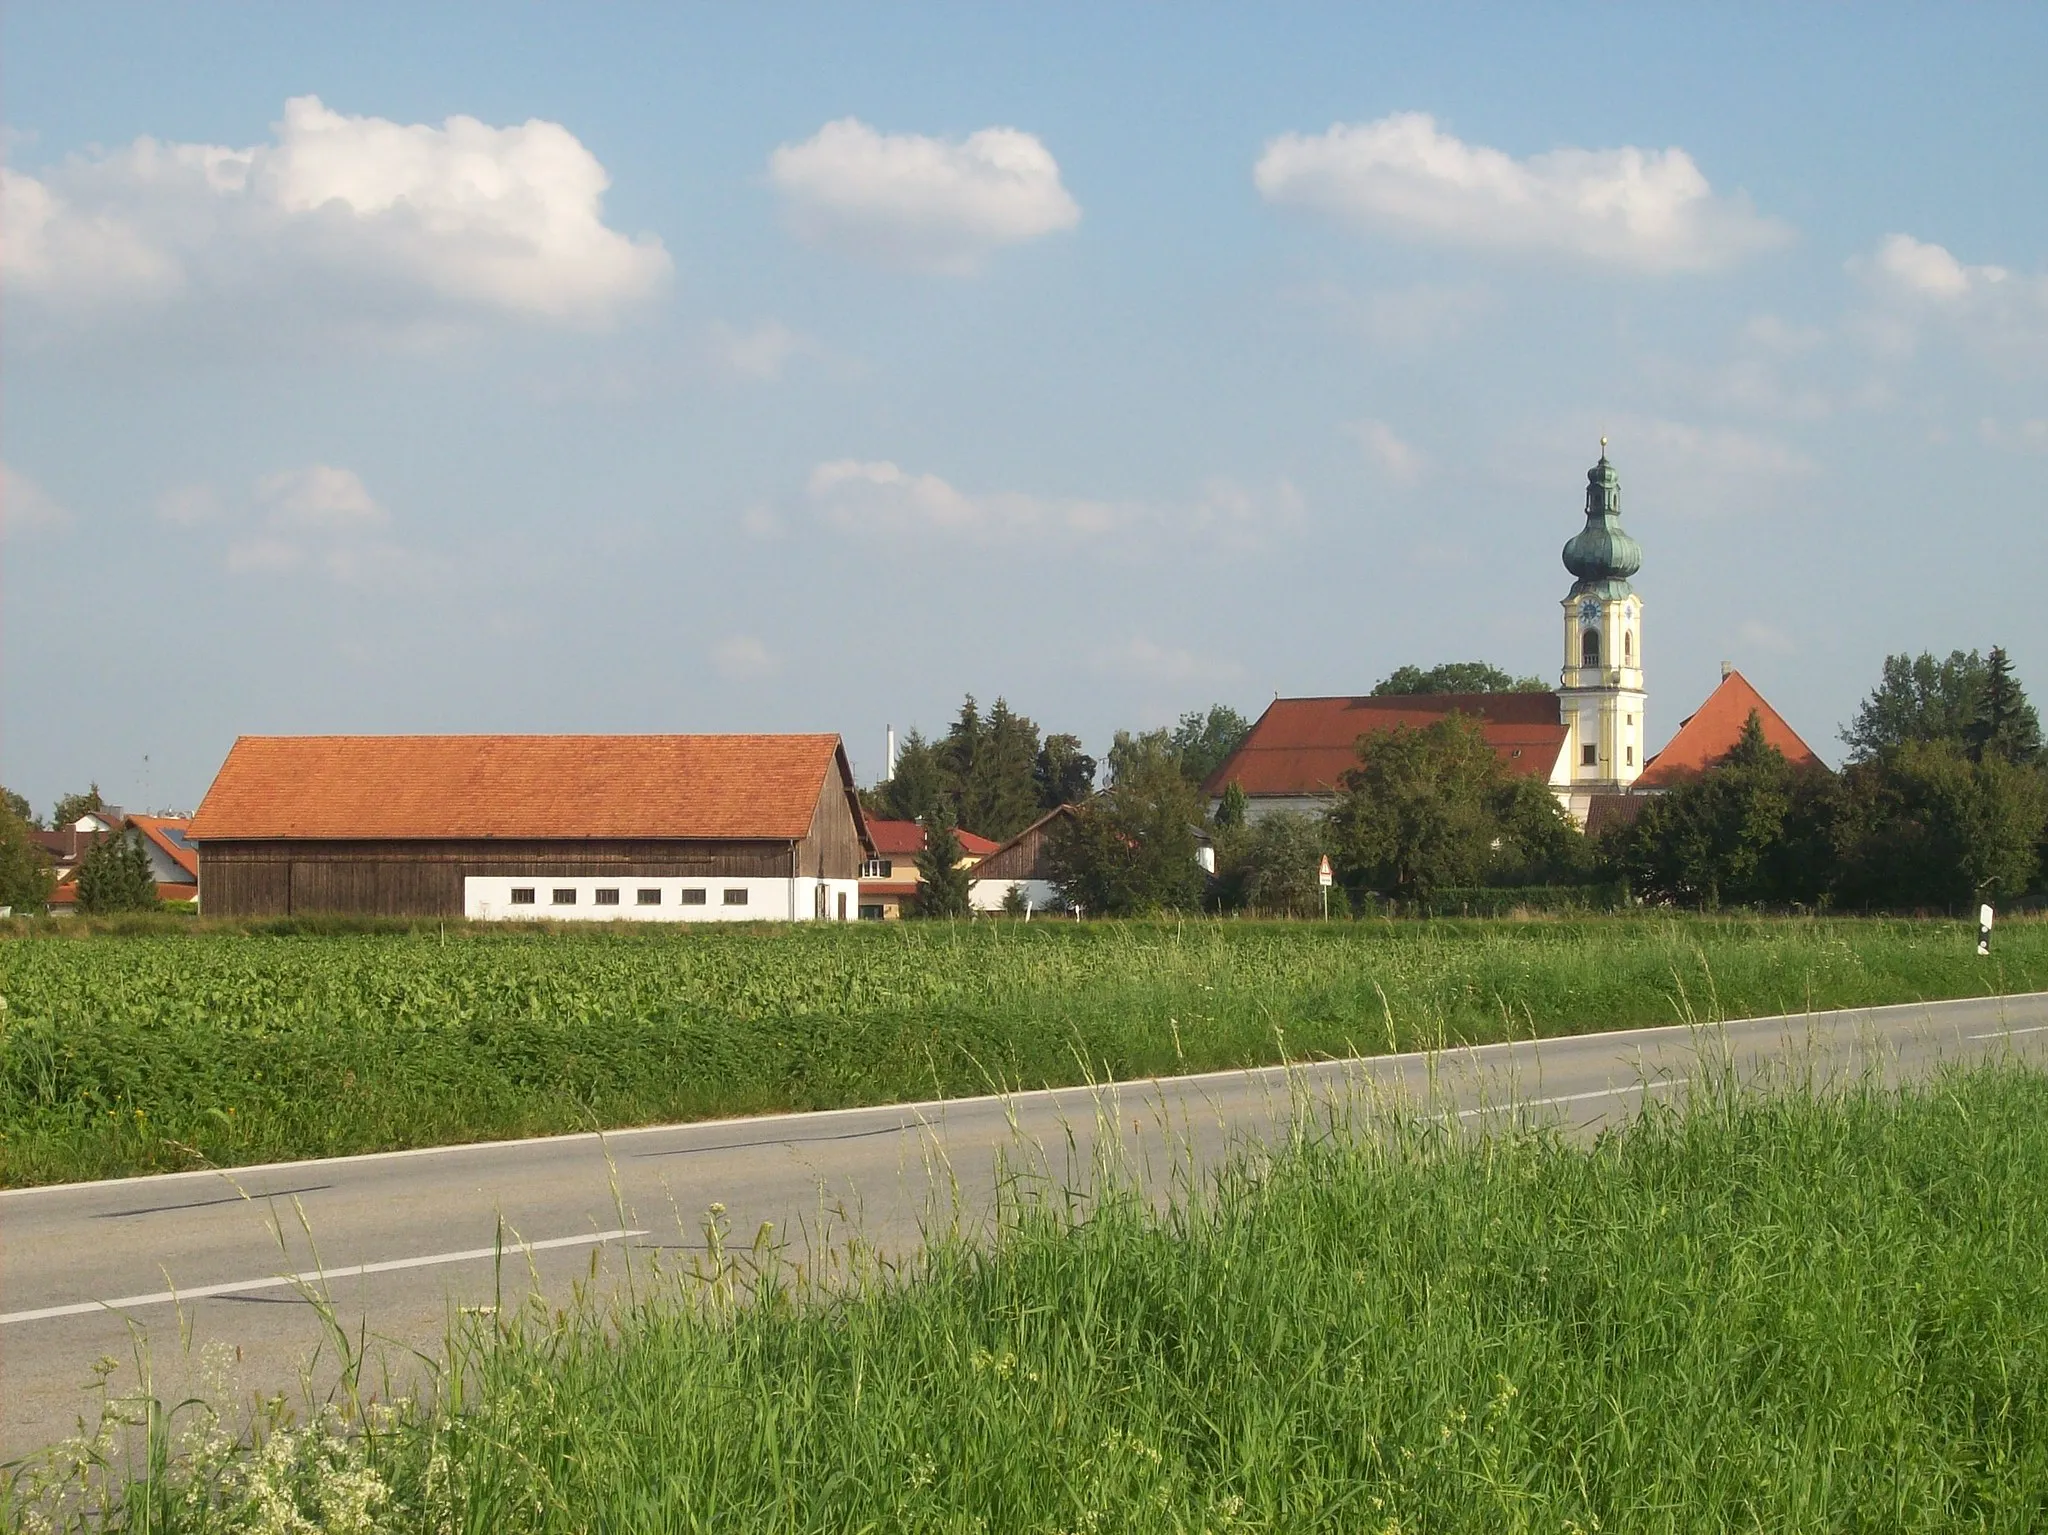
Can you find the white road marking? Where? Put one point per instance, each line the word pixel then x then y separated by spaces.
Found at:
pixel 2039 1028
pixel 1605 1092
pixel 310 1276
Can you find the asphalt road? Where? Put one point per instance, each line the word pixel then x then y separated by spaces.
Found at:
pixel 147 1272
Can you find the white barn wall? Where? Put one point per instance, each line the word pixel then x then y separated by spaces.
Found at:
pixel 488 898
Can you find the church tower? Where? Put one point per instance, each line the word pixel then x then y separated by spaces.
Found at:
pixel 1601 700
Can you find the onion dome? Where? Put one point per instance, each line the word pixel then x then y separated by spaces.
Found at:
pixel 1600 554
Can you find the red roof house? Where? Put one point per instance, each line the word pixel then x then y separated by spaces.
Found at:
pixel 1711 731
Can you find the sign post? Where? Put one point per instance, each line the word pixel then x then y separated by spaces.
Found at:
pixel 1984 915
pixel 1326 879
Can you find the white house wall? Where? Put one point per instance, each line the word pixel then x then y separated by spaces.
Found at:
pixel 989 894
pixel 488 898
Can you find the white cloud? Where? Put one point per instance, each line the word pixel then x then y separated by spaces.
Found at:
pixel 26 508
pixel 742 658
pixel 1919 287
pixel 1397 459
pixel 320 497
pixel 761 353
pixel 1648 209
pixel 930 204
pixel 344 212
pixel 877 497
pixel 324 518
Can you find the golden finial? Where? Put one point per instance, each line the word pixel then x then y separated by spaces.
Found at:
pixel 1603 447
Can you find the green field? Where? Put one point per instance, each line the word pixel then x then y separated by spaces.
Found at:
pixel 178 1048
pixel 1743 1314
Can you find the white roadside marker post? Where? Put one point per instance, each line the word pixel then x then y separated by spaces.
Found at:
pixel 1325 879
pixel 1984 915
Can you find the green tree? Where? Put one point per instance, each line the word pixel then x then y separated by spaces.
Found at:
pixel 114 875
pixel 1924 826
pixel 1720 838
pixel 999 786
pixel 1132 848
pixel 920 786
pixel 1230 805
pixel 25 878
pixel 1282 861
pixel 2006 723
pixel 943 886
pixel 1918 698
pixel 72 806
pixel 17 805
pixel 1455 677
pixel 1064 774
pixel 1421 810
pixel 1204 739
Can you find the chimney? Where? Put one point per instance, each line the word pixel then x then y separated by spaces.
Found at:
pixel 889 755
pixel 1727 671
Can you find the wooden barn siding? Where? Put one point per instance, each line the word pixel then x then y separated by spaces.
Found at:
pixel 424 879
pixel 1023 859
pixel 833 849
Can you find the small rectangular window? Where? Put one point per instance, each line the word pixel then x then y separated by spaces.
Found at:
pixel 607 897
pixel 735 898
pixel 1589 756
pixel 871 914
pixel 522 895
pixel 693 898
pixel 1631 757
pixel 565 898
pixel 648 897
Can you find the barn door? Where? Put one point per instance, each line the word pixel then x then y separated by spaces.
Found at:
pixel 818 904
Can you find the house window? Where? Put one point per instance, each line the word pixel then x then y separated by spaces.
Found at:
pixel 735 898
pixel 522 895
pixel 871 914
pixel 1589 648
pixel 877 868
pixel 692 898
pixel 607 897
pixel 565 898
pixel 648 897
pixel 1589 756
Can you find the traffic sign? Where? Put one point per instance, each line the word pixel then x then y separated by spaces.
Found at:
pixel 1323 875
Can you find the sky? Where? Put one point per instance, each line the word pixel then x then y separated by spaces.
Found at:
pixel 571 368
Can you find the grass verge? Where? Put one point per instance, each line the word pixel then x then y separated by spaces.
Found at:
pixel 164 1050
pixel 1800 1312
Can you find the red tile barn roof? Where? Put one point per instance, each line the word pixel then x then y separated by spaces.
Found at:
pixel 1304 745
pixel 1710 733
pixel 366 788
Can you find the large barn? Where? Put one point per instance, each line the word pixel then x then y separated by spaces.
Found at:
pixel 699 828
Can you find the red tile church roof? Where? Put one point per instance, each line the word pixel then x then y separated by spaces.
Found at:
pixel 1305 745
pixel 1711 732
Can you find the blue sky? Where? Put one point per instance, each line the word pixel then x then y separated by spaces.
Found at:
pixel 489 368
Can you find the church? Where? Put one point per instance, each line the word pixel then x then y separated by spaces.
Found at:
pixel 1587 739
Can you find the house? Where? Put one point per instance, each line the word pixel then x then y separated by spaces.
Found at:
pixel 664 828
pixel 173 861
pixel 889 880
pixel 1021 862
pixel 173 857
pixel 1709 733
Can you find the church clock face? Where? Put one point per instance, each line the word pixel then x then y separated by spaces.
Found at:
pixel 1589 611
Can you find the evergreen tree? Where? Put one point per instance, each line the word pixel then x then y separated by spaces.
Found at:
pixel 1230 805
pixel 73 806
pixel 1455 677
pixel 920 787
pixel 959 748
pixel 114 875
pixel 25 878
pixel 999 794
pixel 1204 740
pixel 943 886
pixel 1064 774
pixel 2006 723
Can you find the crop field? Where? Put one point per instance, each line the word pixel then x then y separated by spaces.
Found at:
pixel 1787 1313
pixel 170 1048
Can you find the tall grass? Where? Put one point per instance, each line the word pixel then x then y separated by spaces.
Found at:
pixel 165 1050
pixel 1806 1312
